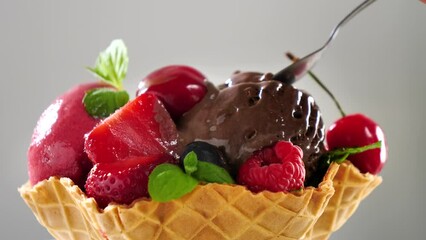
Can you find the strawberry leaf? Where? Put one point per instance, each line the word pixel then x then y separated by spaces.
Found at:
pixel 111 64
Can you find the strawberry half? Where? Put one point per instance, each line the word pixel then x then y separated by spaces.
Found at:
pixel 142 127
pixel 277 168
pixel 126 147
pixel 122 182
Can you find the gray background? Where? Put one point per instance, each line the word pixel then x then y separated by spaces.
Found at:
pixel 376 66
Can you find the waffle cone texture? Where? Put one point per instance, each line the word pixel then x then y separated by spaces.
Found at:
pixel 351 187
pixel 211 211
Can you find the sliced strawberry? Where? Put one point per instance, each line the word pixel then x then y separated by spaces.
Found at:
pixel 122 182
pixel 277 168
pixel 142 127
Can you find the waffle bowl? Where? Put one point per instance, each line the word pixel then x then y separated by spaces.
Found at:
pixel 351 187
pixel 211 211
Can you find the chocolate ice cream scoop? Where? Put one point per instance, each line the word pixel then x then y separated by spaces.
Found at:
pixel 251 111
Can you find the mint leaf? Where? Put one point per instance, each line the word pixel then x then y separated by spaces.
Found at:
pixel 102 102
pixel 190 162
pixel 167 182
pixel 209 172
pixel 111 64
pixel 205 171
pixel 339 155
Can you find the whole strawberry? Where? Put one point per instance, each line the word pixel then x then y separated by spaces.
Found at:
pixel 277 168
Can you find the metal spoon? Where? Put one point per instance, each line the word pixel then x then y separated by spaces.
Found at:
pixel 299 68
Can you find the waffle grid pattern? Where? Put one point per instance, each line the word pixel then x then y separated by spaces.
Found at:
pixel 58 211
pixel 217 212
pixel 211 211
pixel 351 188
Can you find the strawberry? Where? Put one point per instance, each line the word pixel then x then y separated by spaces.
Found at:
pixel 277 168
pixel 122 182
pixel 142 127
pixel 125 148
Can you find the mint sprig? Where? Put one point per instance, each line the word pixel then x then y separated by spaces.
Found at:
pixel 207 172
pixel 339 155
pixel 190 163
pixel 111 67
pixel 167 182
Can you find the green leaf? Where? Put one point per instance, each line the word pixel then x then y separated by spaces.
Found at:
pixel 102 102
pixel 340 155
pixel 205 171
pixel 209 172
pixel 190 162
pixel 111 64
pixel 167 182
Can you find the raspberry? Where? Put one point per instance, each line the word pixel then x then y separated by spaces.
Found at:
pixel 277 168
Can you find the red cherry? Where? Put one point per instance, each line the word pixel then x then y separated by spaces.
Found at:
pixel 178 87
pixel 357 130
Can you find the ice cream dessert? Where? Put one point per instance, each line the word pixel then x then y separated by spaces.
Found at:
pixel 187 160
pixel 53 149
pixel 265 110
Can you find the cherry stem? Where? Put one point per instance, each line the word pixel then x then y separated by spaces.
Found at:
pixel 316 79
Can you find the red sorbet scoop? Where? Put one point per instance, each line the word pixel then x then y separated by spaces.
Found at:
pixel 56 147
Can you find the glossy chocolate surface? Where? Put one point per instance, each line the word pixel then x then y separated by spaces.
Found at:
pixel 251 111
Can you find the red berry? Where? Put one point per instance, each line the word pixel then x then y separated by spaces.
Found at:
pixel 142 127
pixel 277 168
pixel 178 87
pixel 357 130
pixel 122 182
